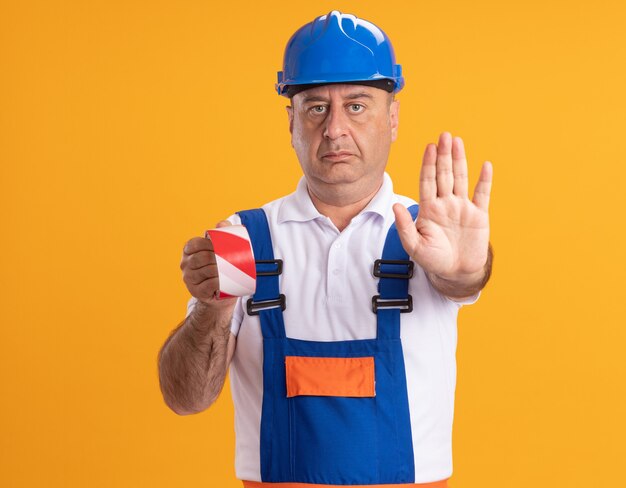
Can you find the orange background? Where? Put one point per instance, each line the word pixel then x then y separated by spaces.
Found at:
pixel 128 127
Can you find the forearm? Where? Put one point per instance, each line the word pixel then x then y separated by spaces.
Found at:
pixel 466 285
pixel 194 360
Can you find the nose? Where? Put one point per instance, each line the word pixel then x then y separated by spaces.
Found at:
pixel 336 123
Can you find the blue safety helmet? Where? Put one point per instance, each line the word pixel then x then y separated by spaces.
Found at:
pixel 339 48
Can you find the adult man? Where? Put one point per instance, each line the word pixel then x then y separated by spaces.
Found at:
pixel 330 385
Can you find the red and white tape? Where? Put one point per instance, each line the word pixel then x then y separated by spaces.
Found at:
pixel 235 260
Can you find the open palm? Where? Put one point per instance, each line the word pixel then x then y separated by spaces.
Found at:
pixel 450 237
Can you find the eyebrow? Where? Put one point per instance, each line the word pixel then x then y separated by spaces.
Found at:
pixel 352 96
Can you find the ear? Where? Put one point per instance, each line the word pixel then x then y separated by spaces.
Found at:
pixel 290 115
pixel 394 112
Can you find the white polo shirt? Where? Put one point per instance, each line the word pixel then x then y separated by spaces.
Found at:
pixel 328 282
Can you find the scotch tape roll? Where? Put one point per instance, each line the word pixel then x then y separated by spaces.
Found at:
pixel 235 260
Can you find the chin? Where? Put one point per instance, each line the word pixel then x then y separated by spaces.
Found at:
pixel 340 177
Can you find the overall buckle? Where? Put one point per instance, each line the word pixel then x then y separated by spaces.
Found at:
pixel 253 307
pixel 380 274
pixel 404 304
pixel 277 262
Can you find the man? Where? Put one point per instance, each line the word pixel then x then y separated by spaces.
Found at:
pixel 344 371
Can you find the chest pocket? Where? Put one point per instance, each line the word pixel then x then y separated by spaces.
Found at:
pixel 322 376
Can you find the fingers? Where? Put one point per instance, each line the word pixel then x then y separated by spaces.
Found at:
pixel 200 274
pixel 197 244
pixel 199 259
pixel 205 290
pixel 197 276
pixel 437 178
pixel 428 181
pixel 199 266
pixel 459 167
pixel 482 192
pixel 444 169
pixel 445 177
pixel 406 228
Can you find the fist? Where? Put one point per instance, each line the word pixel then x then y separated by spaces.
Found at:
pixel 199 269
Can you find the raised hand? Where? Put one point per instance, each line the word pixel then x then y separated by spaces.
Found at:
pixel 450 239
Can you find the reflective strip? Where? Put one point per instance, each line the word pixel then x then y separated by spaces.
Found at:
pixel 324 376
pixel 257 484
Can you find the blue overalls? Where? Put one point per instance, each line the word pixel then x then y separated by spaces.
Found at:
pixel 329 438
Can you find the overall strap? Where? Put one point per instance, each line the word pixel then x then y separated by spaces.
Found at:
pixel 394 270
pixel 267 301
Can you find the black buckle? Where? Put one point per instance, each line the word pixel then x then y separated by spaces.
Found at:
pixel 277 262
pixel 408 263
pixel 254 307
pixel 404 304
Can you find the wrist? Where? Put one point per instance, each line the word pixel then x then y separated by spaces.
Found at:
pixel 462 285
pixel 458 287
pixel 214 303
pixel 212 315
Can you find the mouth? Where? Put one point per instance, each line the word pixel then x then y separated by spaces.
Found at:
pixel 337 156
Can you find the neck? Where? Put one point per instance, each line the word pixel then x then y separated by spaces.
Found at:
pixel 340 212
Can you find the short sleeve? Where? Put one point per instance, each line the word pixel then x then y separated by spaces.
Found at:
pixel 235 322
pixel 190 305
pixel 465 301
pixel 234 219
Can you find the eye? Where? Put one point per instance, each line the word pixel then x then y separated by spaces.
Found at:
pixel 356 108
pixel 318 109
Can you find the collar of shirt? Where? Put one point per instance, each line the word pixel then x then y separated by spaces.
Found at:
pixel 300 208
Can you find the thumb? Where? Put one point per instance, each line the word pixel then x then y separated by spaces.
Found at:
pixel 223 223
pixel 406 228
